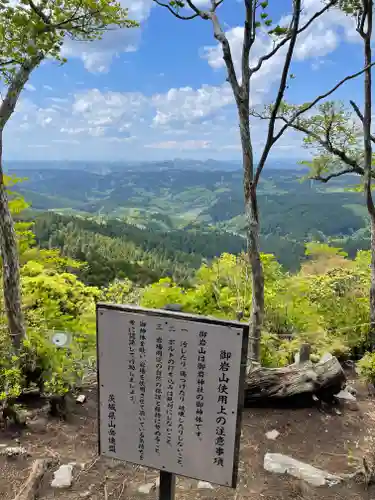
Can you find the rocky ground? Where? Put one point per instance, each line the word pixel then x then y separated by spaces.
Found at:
pixel 334 440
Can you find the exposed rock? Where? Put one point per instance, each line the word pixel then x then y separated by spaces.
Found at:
pixel 14 451
pixel 345 395
pixel 81 399
pixel 348 400
pixel 63 477
pixel 204 485
pixel 282 464
pixel 274 434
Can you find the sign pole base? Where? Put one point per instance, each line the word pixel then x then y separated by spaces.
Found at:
pixel 167 485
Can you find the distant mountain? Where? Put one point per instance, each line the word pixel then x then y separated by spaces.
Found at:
pixel 103 168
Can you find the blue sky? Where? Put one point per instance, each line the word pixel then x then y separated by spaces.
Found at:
pixel 159 92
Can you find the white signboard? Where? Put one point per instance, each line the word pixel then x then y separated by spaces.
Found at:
pixel 171 391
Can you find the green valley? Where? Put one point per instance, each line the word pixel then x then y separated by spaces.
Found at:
pixel 177 216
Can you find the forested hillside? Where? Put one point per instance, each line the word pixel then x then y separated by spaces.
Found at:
pixel 201 211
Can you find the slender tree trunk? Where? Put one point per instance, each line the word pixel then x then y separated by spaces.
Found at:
pixel 371 336
pixel 367 115
pixel 252 233
pixel 257 304
pixel 11 266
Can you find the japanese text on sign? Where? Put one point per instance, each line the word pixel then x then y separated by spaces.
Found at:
pixel 178 409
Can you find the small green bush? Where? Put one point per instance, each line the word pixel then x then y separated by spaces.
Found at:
pixel 366 367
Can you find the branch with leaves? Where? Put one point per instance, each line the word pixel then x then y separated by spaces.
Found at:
pixel 30 32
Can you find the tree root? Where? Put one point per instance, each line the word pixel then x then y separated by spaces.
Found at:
pixel 29 489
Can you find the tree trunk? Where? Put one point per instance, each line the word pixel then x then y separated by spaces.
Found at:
pixel 367 118
pixel 257 304
pixel 371 334
pixel 252 230
pixel 10 263
pixel 294 383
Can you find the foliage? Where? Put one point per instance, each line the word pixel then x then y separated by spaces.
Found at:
pixel 120 292
pixel 324 304
pixel 184 218
pixel 54 300
pixel 31 31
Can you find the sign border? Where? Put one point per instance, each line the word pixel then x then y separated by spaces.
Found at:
pixel 188 317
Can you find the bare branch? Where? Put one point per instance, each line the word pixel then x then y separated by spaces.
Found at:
pixel 227 55
pixel 333 175
pixel 270 141
pixel 7 63
pixel 248 42
pixel 360 116
pixel 320 98
pixel 39 12
pixel 176 14
pixel 217 4
pixel 194 8
pixel 279 45
pixel 327 144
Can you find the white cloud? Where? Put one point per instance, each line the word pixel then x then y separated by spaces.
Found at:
pixel 189 105
pixel 199 121
pixel 97 56
pixel 47 87
pixel 320 39
pixel 108 108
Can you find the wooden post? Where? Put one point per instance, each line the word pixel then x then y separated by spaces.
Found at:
pixel 167 485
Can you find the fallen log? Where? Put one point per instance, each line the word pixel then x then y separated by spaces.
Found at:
pixel 29 489
pixel 294 383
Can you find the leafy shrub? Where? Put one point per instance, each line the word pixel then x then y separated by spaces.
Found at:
pixel 59 370
pixel 366 367
pixel 10 374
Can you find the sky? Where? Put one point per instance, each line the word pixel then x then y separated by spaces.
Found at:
pixel 160 92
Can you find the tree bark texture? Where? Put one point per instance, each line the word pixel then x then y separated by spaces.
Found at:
pixel 294 383
pixel 11 266
pixel 371 336
pixel 257 303
pixel 366 34
pixel 252 233
pixel 8 240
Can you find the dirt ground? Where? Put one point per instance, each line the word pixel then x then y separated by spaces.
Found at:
pixel 332 441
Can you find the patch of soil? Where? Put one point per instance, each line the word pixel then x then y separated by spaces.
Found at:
pixel 331 441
